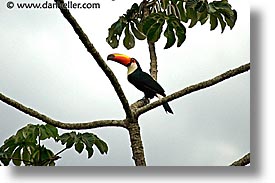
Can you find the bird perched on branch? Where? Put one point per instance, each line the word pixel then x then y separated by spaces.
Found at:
pixel 141 80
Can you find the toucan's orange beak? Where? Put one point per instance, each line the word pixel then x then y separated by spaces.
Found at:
pixel 120 58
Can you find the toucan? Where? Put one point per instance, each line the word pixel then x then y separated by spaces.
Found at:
pixel 141 80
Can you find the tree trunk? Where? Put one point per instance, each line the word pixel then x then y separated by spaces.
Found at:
pixel 136 143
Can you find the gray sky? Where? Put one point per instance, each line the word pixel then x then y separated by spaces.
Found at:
pixel 45 66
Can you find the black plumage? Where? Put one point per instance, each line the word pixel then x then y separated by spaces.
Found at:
pixel 150 87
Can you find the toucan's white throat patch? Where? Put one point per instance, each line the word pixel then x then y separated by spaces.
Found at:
pixel 131 68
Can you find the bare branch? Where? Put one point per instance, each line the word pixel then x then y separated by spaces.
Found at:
pixel 153 58
pixel 243 161
pixel 92 50
pixel 63 125
pixel 194 88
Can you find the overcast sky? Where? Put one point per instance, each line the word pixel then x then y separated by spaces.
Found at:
pixel 45 66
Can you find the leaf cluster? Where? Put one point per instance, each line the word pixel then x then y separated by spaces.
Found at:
pixel 137 24
pixel 125 22
pixel 80 140
pixel 25 146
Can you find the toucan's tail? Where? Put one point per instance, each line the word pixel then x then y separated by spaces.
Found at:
pixel 167 108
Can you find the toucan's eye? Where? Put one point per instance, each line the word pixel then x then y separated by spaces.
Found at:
pixel 133 60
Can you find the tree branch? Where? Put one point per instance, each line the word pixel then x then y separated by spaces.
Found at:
pixel 63 125
pixel 243 161
pixel 193 88
pixel 153 58
pixel 92 50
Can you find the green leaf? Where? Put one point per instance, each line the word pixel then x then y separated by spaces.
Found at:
pixel 10 150
pixel 43 133
pixel 117 28
pixel 155 30
pixel 16 157
pixel 211 8
pixel 179 28
pixel 192 14
pixel 213 22
pixel 64 138
pixel 222 22
pixel 138 34
pixel 193 9
pixel 231 20
pixel 26 156
pixel 70 143
pixel 69 139
pixel 52 131
pixel 115 32
pixel 181 34
pixel 4 158
pixel 129 40
pixel 219 8
pixel 223 4
pixel 90 152
pixel 88 139
pixel 150 20
pixel 6 154
pixel 79 147
pixel 170 35
pixel 19 137
pixel 135 7
pixel 181 9
pixel 30 133
pixel 8 143
pixel 203 13
pixel 203 17
pixel 101 145
pixel 112 41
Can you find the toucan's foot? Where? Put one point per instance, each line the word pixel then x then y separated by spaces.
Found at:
pixel 140 103
pixel 145 100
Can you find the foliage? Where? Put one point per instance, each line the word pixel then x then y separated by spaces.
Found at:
pixel 25 146
pixel 148 19
pixel 87 139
